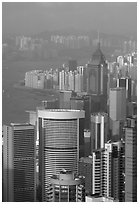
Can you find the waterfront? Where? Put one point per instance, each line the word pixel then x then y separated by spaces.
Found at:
pixel 15 101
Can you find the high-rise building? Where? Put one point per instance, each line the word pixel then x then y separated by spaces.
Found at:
pixel 117 104
pixel 71 79
pixel 61 143
pixel 97 76
pixel 82 103
pixel 62 80
pixel 99 129
pixel 64 99
pixel 86 170
pixel 116 130
pixel 97 73
pixel 72 65
pixel 67 187
pixel 131 109
pixel 35 79
pixel 131 160
pixel 104 171
pixel 118 170
pixel 125 83
pixel 78 82
pixel 19 163
pixel 51 104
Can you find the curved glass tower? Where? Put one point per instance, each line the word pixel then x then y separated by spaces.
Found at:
pixel 61 143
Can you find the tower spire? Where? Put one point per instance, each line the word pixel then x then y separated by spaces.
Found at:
pixel 98 37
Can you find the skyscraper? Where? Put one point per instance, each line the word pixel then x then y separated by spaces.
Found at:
pixel 131 160
pixel 117 106
pixel 99 128
pixel 97 78
pixel 67 187
pixel 72 65
pixel 19 163
pixel 104 171
pixel 61 142
pixel 117 112
pixel 82 103
pixel 125 83
pixel 97 73
pixel 118 171
pixel 86 170
pixel 64 99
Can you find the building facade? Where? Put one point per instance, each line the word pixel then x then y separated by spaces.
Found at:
pixel 97 77
pixel 61 142
pixel 131 161
pixel 99 127
pixel 117 104
pixel 125 83
pixel 86 169
pixel 19 163
pixel 66 187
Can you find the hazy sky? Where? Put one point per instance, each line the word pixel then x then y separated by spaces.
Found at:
pixel 110 17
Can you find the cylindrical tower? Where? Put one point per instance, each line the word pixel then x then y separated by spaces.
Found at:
pixel 61 141
pixel 99 124
pixel 66 187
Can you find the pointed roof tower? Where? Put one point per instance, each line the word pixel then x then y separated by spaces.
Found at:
pixel 98 57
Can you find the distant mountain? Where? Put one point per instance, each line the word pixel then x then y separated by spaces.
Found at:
pixel 91 33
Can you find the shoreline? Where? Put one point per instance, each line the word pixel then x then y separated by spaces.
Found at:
pixel 19 85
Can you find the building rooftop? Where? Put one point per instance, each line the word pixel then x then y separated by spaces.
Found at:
pixel 20 124
pixel 60 110
pixel 99 114
pixel 98 57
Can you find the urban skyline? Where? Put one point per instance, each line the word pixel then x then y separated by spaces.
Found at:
pixel 78 141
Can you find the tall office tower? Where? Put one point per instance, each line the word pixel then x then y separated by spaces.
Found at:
pixel 87 145
pixel 19 163
pixel 82 103
pixel 101 171
pixel 71 81
pixel 66 81
pixel 85 167
pixel 131 109
pixel 67 187
pixel 61 142
pixel 72 65
pixel 64 99
pixel 118 171
pixel 96 186
pixel 125 83
pixel 62 80
pixel 106 170
pixel 117 104
pixel 99 130
pixel 131 160
pixel 117 111
pixel 97 77
pixel 78 82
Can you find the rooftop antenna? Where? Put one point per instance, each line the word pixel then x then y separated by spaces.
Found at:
pixel 98 39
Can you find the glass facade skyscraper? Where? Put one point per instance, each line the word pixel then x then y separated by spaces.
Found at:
pixel 19 163
pixel 61 142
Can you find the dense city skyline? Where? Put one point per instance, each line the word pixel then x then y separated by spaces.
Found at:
pixel 69 131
